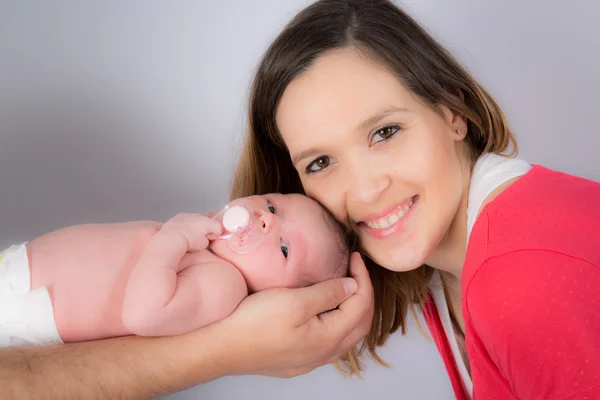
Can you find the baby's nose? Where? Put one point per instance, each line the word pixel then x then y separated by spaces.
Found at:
pixel 266 221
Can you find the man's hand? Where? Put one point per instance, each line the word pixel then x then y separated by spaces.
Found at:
pixel 289 332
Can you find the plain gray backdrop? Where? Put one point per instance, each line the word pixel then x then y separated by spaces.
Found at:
pixel 122 110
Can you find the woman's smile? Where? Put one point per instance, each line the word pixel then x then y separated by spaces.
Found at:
pixel 391 221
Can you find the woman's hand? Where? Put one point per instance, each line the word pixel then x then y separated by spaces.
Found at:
pixel 289 332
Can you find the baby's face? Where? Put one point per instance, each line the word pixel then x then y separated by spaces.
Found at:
pixel 299 246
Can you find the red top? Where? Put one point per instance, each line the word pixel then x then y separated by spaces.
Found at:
pixel 531 291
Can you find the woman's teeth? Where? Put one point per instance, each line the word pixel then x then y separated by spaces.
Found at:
pixel 390 219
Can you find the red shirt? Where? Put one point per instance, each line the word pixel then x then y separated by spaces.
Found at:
pixel 531 291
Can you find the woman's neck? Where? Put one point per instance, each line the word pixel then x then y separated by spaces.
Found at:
pixel 449 259
pixel 449 256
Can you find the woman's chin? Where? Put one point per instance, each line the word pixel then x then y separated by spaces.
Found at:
pixel 398 259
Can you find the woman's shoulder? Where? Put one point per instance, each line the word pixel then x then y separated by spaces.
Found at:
pixel 542 187
pixel 543 210
pixel 547 219
pixel 530 285
pixel 533 260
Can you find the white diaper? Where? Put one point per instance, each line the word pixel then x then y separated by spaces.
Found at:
pixel 26 317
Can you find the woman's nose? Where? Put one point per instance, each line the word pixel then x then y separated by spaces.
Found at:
pixel 367 183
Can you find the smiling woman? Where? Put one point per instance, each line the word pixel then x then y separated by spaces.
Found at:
pixel 379 136
pixel 355 105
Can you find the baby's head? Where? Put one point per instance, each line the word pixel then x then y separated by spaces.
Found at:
pixel 301 244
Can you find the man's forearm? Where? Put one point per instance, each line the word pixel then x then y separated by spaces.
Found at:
pixel 123 368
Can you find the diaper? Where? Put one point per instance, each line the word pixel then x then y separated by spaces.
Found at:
pixel 26 317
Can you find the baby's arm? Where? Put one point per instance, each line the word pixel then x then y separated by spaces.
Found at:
pixel 171 291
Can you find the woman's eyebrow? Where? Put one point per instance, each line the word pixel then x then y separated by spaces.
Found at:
pixel 309 153
pixel 369 122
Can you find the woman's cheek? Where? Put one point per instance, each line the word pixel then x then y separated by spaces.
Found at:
pixel 330 193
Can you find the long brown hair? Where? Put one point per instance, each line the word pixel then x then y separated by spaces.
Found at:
pixel 380 30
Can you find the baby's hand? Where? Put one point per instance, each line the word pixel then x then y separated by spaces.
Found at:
pixel 192 230
pixel 155 297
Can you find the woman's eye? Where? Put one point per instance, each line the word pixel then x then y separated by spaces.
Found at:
pixel 284 249
pixel 384 133
pixel 271 207
pixel 319 164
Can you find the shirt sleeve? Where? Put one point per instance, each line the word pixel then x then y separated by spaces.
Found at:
pixel 537 314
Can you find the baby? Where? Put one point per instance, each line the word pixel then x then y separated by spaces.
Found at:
pixel 90 282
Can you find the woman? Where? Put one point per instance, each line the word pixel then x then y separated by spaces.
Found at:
pixel 355 105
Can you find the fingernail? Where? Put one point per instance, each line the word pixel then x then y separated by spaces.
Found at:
pixel 350 286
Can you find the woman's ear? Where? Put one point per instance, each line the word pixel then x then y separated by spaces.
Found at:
pixel 456 121
pixel 459 128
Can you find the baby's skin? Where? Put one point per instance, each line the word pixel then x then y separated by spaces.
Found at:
pixel 152 279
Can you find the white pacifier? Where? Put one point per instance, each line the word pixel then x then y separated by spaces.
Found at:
pixel 241 226
pixel 236 218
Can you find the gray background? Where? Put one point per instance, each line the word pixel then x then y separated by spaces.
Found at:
pixel 122 110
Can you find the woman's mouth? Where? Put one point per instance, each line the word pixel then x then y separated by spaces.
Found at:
pixel 391 221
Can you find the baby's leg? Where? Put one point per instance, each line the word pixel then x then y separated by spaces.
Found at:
pixel 164 298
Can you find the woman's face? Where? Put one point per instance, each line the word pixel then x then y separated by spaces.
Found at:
pixel 376 156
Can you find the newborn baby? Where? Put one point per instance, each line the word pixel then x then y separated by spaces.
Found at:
pixel 91 282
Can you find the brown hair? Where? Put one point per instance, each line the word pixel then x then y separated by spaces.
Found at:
pixel 381 30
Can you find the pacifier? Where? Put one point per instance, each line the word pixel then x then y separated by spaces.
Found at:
pixel 241 226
